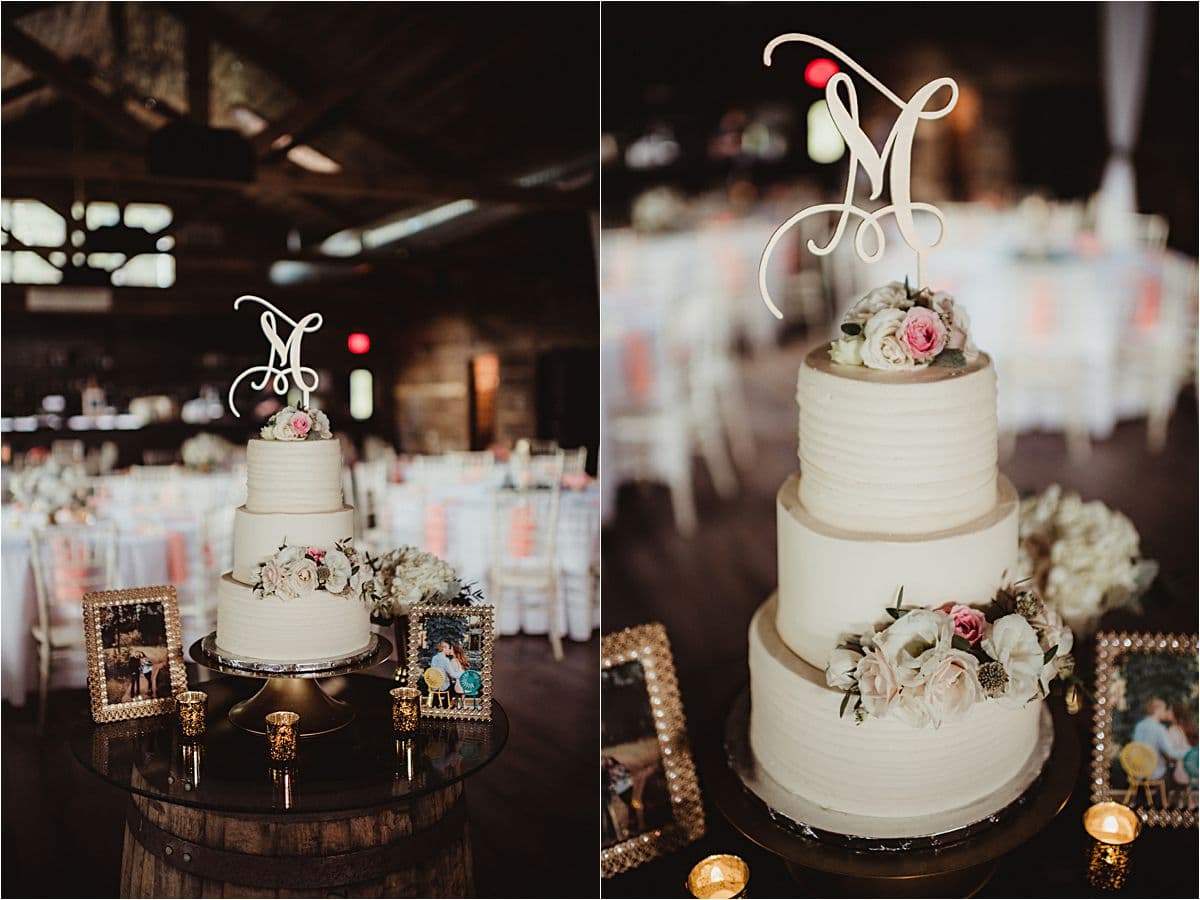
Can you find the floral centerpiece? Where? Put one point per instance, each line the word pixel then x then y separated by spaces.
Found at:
pixel 931 666
pixel 297 424
pixel 1085 558
pixel 896 328
pixel 292 573
pixel 409 575
pixel 52 492
pixel 205 452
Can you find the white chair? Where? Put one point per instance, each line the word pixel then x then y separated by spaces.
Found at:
pixel 472 465
pixel 575 461
pixel 68 562
pixel 524 561
pixel 371 504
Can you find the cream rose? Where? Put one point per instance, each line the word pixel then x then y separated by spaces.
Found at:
pixel 270 576
pixel 890 296
pixel 303 578
pixel 339 571
pixel 878 683
pixel 951 685
pixel 912 639
pixel 882 347
pixel 957 322
pixel 840 672
pixel 912 707
pixel 283 426
pixel 1013 643
pixel 847 351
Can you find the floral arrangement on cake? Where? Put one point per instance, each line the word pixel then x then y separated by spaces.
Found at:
pixel 930 666
pixel 1085 558
pixel 205 452
pixel 896 328
pixel 292 573
pixel 297 424
pixel 52 492
pixel 410 575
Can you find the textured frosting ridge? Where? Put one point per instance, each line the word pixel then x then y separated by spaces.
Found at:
pixel 892 453
pixel 882 767
pixel 833 581
pixel 319 626
pixel 257 535
pixel 293 476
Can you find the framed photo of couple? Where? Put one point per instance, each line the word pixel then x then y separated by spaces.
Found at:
pixel 1144 752
pixel 450 659
pixel 134 652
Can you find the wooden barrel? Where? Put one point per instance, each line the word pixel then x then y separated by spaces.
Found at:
pixel 419 848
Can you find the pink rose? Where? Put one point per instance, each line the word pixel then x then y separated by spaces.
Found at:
pixel 969 623
pixel 302 423
pixel 923 333
pixel 316 554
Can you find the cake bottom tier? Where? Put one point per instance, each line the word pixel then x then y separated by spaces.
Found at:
pixel 316 627
pixel 880 768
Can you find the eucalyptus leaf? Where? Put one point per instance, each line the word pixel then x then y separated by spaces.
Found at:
pixel 958 642
pixel 851 328
pixel 895 612
pixel 845 703
pixel 1049 654
pixel 950 359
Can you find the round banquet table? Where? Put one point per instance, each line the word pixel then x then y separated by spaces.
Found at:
pixel 360 811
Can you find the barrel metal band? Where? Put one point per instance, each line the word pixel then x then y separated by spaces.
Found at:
pixel 297 872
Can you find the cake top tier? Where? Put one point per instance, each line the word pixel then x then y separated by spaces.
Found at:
pixel 896 452
pixel 293 476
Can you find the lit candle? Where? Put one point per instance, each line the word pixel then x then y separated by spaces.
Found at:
pixel 192 707
pixel 1114 827
pixel 281 735
pixel 406 709
pixel 719 876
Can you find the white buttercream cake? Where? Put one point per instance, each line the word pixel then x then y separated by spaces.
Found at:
pixel 898 488
pixel 293 498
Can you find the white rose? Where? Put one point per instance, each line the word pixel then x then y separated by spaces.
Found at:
pixel 951 685
pixel 283 425
pixel 840 672
pixel 267 433
pixel 321 424
pixel 913 638
pixel 890 296
pixel 1013 643
pixel 912 707
pixel 302 579
pixel 847 351
pixel 878 683
pixel 882 347
pixel 339 571
pixel 270 576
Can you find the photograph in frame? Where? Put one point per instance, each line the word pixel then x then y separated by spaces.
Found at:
pixel 450 659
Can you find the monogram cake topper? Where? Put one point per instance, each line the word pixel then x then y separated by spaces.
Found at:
pixel 283 359
pixel 897 151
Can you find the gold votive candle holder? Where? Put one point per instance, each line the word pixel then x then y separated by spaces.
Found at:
pixel 282 735
pixel 193 713
pixel 719 875
pixel 406 709
pixel 1113 827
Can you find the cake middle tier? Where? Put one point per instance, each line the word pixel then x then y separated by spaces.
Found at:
pixel 257 535
pixel 833 582
pixel 896 452
pixel 293 476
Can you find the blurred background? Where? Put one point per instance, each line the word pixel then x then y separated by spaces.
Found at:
pixel 1068 176
pixel 426 179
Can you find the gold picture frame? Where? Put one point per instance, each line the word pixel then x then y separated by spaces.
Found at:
pixel 108 617
pixel 1117 705
pixel 629 658
pixel 447 702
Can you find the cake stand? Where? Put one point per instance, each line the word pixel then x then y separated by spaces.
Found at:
pixel 956 862
pixel 291 686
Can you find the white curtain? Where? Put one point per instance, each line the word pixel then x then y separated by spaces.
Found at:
pixel 1125 51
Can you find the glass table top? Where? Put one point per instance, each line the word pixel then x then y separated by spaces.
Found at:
pixel 361 766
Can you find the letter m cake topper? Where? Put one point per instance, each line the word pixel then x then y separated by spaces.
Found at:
pixel 283 359
pixel 897 151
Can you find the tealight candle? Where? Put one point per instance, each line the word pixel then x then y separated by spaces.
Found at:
pixel 406 709
pixel 193 708
pixel 281 735
pixel 718 876
pixel 1113 826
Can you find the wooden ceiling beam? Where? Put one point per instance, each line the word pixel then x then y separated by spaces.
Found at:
pixel 108 111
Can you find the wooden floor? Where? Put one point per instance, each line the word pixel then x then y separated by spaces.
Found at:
pixel 532 811
pixel 705 589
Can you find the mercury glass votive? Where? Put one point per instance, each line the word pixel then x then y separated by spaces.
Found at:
pixel 406 709
pixel 1114 827
pixel 193 713
pixel 282 735
pixel 720 875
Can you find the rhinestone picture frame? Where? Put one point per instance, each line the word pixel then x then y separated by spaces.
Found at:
pixel 649 646
pixel 96 605
pixel 481 700
pixel 1110 688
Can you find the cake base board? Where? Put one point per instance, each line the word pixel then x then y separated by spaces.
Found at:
pixel 953 864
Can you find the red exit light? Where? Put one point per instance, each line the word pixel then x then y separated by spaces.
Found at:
pixel 818 72
pixel 358 342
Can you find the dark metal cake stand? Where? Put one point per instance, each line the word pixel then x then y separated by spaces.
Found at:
pixel 847 868
pixel 290 686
